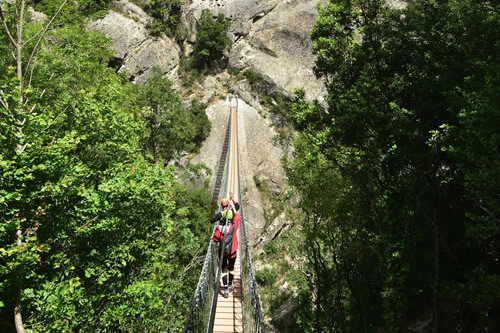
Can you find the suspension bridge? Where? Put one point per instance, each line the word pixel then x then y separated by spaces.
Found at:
pixel 210 312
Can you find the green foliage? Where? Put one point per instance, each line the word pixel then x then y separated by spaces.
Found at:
pixel 252 77
pixel 233 71
pixel 211 41
pixel 166 16
pixel 92 6
pixel 108 241
pixel 265 276
pixel 73 11
pixel 200 123
pixel 403 160
pixel 257 181
pixel 171 129
pixel 68 13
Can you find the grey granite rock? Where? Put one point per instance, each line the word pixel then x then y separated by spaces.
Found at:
pixel 136 51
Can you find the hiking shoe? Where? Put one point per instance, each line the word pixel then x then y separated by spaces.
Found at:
pixel 230 288
pixel 226 292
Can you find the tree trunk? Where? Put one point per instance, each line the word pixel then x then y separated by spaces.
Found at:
pixel 18 319
pixel 20 52
pixel 19 64
pixel 19 121
pixel 339 294
pixel 319 290
pixel 436 283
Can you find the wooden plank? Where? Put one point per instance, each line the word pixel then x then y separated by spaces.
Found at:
pixel 229 316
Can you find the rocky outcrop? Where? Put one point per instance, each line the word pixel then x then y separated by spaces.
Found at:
pixel 136 51
pixel 279 47
pixel 131 10
pixel 398 4
pixel 242 13
pixel 271 38
pixel 35 16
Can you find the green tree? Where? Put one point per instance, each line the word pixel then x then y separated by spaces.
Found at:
pixel 170 125
pixel 408 130
pixel 200 123
pixel 85 218
pixel 211 40
pixel 90 6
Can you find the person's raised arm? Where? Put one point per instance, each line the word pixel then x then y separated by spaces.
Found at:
pixel 235 202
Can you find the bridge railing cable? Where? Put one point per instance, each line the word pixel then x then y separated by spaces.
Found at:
pixel 252 311
pixel 199 312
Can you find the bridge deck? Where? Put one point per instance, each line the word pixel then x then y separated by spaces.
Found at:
pixel 228 317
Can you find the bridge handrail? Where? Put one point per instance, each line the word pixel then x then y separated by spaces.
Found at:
pixel 199 311
pixel 252 311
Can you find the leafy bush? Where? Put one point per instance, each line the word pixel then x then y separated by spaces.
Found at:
pixel 252 77
pixel 200 123
pixel 94 5
pixel 267 276
pixel 233 71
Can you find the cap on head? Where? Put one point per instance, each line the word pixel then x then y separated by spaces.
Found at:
pixel 224 202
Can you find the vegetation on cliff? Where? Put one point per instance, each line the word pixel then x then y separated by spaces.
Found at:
pixel 211 41
pixel 165 17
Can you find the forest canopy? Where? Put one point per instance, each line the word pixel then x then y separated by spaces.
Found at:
pixel 398 172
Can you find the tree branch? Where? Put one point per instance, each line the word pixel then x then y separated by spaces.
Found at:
pixel 41 37
pixel 34 36
pixel 54 120
pixel 195 260
pixel 11 39
pixel 5 104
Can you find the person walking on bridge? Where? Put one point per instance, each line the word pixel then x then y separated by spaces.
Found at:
pixel 230 214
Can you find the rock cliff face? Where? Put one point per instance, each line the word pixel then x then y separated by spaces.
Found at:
pixel 271 38
pixel 136 51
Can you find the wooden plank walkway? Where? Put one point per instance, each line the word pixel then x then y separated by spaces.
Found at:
pixel 229 316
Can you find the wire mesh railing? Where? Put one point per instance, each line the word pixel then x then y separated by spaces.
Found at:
pixel 200 310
